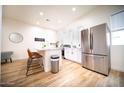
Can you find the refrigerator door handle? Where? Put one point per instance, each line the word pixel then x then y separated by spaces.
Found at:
pixel 90 41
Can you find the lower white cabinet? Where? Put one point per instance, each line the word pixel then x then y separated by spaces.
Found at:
pixel 73 54
pixel 68 53
pixel 78 57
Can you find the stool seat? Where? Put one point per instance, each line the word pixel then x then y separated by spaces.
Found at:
pixel 36 55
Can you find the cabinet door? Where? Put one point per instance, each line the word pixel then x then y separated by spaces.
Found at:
pixel 70 37
pixel 66 53
pixel 69 53
pixel 73 38
pixel 73 55
pixel 60 37
pixel 78 56
pixel 65 37
pixel 76 38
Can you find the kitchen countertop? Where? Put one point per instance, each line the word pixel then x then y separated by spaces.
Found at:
pixel 74 48
pixel 46 49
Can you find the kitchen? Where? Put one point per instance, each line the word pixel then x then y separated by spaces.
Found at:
pixel 67 34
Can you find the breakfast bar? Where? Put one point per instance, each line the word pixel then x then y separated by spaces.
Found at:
pixel 47 53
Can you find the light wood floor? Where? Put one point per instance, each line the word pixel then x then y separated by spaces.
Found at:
pixel 71 75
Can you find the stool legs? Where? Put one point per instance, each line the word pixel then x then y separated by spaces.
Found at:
pixel 29 62
pixel 41 63
pixel 28 65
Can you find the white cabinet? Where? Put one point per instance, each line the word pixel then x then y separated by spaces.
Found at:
pixel 79 58
pixel 73 54
pixel 71 37
pixel 59 36
pixel 65 37
pixel 68 52
pixel 76 41
pixel 76 55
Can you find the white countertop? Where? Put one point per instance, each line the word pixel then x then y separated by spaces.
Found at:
pixel 46 49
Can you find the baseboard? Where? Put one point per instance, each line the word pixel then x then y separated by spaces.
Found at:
pixel 18 60
pixel 115 70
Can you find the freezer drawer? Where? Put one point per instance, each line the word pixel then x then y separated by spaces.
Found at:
pixel 88 61
pixel 97 63
pixel 101 64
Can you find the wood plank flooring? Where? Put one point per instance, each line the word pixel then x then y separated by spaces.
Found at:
pixel 70 75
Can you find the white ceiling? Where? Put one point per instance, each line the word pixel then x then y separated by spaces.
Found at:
pixel 31 14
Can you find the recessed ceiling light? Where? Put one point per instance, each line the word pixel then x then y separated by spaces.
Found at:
pixel 41 13
pixel 59 21
pixel 73 9
pixel 38 23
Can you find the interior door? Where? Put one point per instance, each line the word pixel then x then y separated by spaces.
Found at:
pixel 99 42
pixel 85 41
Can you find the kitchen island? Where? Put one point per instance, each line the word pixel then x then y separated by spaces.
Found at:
pixel 47 53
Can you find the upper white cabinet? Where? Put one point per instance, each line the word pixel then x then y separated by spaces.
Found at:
pixel 62 37
pixel 70 36
pixel 76 38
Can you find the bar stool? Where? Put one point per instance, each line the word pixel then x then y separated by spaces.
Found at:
pixel 33 56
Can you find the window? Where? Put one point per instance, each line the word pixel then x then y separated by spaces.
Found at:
pixel 117 21
pixel 117 28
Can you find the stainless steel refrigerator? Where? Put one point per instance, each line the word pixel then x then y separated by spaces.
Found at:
pixel 95 44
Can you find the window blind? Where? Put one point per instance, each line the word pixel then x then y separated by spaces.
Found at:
pixel 117 21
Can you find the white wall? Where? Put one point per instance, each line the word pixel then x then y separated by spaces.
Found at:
pixel 29 32
pixel 98 16
pixel 117 57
